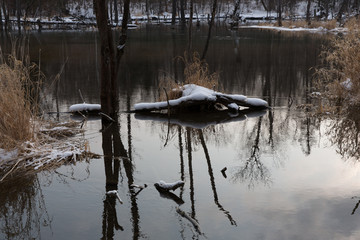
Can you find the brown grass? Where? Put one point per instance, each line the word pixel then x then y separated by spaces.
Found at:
pixel 18 102
pixel 34 144
pixel 341 64
pixel 196 71
pixel 314 24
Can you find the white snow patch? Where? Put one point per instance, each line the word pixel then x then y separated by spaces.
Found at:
pixel 233 106
pixel 84 107
pixel 347 84
pixel 7 155
pixel 191 92
pixel 166 185
pixel 257 102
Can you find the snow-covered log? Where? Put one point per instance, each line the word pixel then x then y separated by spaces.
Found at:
pixel 85 107
pixel 161 185
pixel 194 96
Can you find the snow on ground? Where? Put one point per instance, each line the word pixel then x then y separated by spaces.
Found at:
pixel 7 155
pixel 295 29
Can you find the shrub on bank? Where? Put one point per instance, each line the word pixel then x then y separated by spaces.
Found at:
pixel 338 78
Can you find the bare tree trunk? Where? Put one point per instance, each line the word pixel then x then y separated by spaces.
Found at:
pixel 173 16
pixel 308 12
pixel 182 11
pixel 344 5
pixel 116 12
pixel 147 9
pixel 109 61
pixel 1 21
pixel 236 8
pixel 280 13
pixel 18 14
pixel 264 5
pixel 111 11
pixel 6 15
pixel 108 93
pixel 210 27
pixel 190 27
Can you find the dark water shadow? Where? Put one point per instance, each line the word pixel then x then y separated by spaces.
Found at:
pixel 201 120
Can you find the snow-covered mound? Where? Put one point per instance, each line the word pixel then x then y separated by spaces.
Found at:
pixel 192 93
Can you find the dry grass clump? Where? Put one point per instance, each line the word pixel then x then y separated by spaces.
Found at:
pixel 339 79
pixel 55 145
pixel 17 102
pixel 27 142
pixel 331 24
pixel 196 71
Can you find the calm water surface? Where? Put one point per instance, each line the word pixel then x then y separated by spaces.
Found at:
pixel 288 175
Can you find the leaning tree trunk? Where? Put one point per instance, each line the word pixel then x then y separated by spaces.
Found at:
pixel 190 27
pixel 236 8
pixel 210 27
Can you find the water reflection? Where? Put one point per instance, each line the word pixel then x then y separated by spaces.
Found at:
pixel 23 213
pixel 344 133
pixel 280 149
pixel 254 171
pixel 114 151
pixel 248 61
pixel 212 179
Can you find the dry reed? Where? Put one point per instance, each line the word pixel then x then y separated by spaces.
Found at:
pixel 16 103
pixel 196 71
pixel 27 142
pixel 331 24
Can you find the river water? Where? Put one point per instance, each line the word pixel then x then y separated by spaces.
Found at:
pixel 288 175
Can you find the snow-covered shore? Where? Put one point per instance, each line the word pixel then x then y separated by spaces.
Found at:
pixel 250 13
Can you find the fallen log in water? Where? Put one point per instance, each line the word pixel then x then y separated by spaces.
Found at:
pixel 197 98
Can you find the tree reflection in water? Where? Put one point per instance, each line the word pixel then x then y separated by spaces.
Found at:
pixel 114 152
pixel 344 133
pixel 253 170
pixel 23 211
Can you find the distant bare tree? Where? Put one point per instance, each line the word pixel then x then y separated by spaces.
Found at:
pixel 308 12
